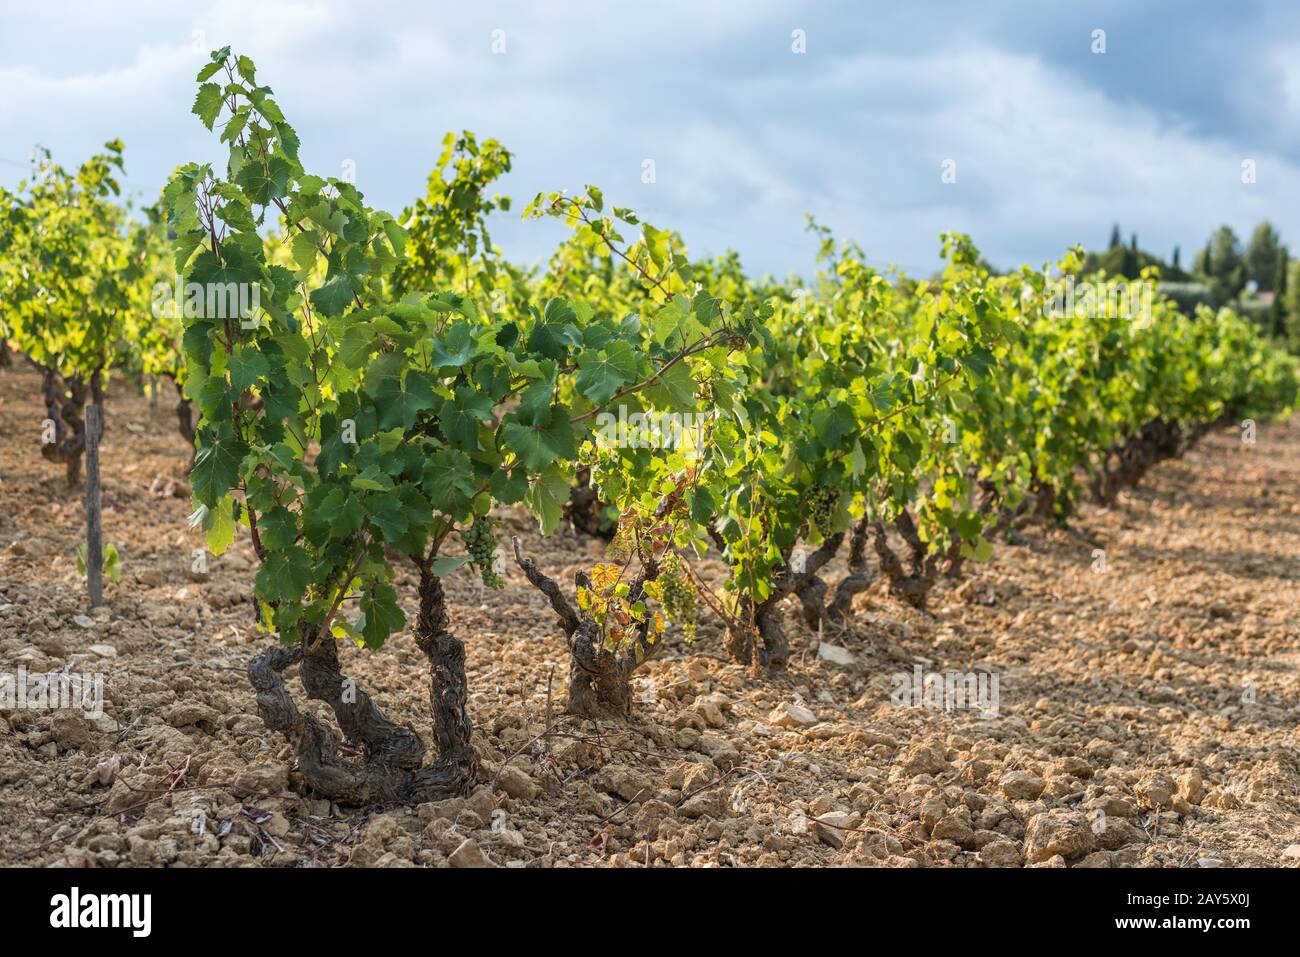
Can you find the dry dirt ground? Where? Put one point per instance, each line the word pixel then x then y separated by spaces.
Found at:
pixel 1146 714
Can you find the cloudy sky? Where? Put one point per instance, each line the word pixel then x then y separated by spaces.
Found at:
pixel 1050 141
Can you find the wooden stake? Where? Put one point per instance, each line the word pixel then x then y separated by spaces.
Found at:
pixel 94 528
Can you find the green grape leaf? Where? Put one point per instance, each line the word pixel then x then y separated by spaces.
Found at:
pixel 342 514
pixel 263 183
pixel 674 390
pixel 277 528
pixel 333 297
pixel 389 516
pixel 247 366
pixel 833 424
pixel 283 577
pixel 207 103
pixel 509 487
pixel 548 335
pixel 540 439
pixel 446 564
pixel 547 496
pixel 857 461
pixel 216 470
pixel 604 373
pixel 381 613
pixel 448 479
pixel 454 349
pixel 112 563
pixel 219 526
pixel 461 415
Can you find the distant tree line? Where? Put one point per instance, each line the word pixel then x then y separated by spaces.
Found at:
pixel 1261 281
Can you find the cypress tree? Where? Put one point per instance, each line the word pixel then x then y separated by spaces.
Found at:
pixel 1279 294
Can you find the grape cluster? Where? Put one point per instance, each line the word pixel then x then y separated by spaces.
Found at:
pixel 482 546
pixel 677 594
pixel 822 504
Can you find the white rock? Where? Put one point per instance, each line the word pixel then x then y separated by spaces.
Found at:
pixel 711 706
pixel 830 827
pixel 1292 852
pixel 518 784
pixel 103 651
pixel 836 655
pixel 1021 785
pixel 107 769
pixel 82 621
pixel 788 715
pixel 469 855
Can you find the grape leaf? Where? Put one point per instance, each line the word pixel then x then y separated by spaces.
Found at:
pixel 381 613
pixel 461 415
pixel 207 103
pixel 283 577
pixel 547 496
pixel 540 439
pixel 333 297
pixel 216 471
pixel 604 373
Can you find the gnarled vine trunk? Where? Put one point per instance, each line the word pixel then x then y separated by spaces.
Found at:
pixel 1124 464
pixel 757 638
pixel 65 405
pixel 858 579
pixel 185 420
pixel 914 582
pixel 457 762
pixel 391 768
pixel 600 678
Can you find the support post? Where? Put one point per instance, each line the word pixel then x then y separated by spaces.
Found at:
pixel 94 528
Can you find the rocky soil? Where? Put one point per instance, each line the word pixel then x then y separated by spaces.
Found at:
pixel 1146 712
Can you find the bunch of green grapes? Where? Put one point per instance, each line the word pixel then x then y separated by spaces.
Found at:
pixel 481 542
pixel 822 504
pixel 676 594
